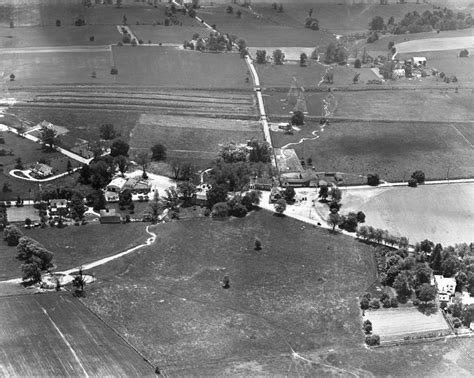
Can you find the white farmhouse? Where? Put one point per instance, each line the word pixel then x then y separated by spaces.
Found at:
pixel 445 286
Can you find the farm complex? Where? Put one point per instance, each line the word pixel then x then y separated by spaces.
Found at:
pixel 236 188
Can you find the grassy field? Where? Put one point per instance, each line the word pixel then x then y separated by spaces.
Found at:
pixel 393 150
pixel 168 302
pixel 170 67
pixel 431 212
pixel 189 320
pixel 272 76
pixel 76 245
pixel 191 138
pixel 55 335
pixel 81 123
pixel 167 34
pixel 438 105
pixel 58 36
pixel 394 324
pixel 36 68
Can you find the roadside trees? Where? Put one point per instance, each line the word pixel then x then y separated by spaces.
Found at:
pixel 419 176
pixel 30 273
pixel 278 57
pixel 119 147
pixel 261 56
pixel 334 220
pixel 48 137
pixel 303 60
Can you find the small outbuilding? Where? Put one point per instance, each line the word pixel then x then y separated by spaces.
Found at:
pixel 109 216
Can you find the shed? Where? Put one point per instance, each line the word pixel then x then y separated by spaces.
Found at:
pixel 110 216
pixel 116 185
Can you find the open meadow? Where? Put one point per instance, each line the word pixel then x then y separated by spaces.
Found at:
pixel 42 36
pixel 168 302
pixel 175 68
pixel 71 248
pixel 392 149
pixel 40 66
pixel 438 105
pixel 441 213
pixel 55 335
pixel 193 139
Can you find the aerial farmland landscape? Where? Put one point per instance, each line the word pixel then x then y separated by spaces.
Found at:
pixel 237 188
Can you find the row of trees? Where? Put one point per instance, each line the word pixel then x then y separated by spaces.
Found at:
pixel 414 22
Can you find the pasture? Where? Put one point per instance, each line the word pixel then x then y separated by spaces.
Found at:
pixel 338 18
pixel 193 139
pixel 441 213
pixel 55 335
pixel 175 68
pixel 394 324
pixel 39 36
pixel 393 150
pixel 40 66
pixel 438 105
pixel 168 302
pixel 71 248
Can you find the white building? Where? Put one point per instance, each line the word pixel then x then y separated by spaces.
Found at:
pixel 116 185
pixel 446 287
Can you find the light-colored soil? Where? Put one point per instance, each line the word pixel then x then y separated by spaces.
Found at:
pixel 436 44
pixel 441 213
pixel 396 323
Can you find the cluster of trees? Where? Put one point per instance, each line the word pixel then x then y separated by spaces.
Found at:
pixel 237 206
pixel 379 235
pixel 414 22
pixel 417 177
pixel 462 314
pixel 278 57
pixel 335 53
pixel 35 257
pixel 255 152
pixel 311 22
pixel 368 301
pixel 215 42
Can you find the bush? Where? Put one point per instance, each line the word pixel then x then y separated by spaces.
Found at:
pixel 239 210
pixel 394 302
pixel 207 212
pixel 367 326
pixel 364 303
pixel 416 302
pixel 12 77
pixel 419 176
pixel 373 37
pixel 114 71
pixel 412 183
pixel 357 63
pixel 373 179
pixel 126 38
pixel 58 23
pixel 258 244
pixel 464 53
pixel 387 303
pixel 297 118
pixel 374 304
pixel 91 38
pixel 220 210
pixel 372 340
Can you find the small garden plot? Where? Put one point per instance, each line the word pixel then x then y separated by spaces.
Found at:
pixel 441 213
pixel 34 68
pixel 58 36
pixel 174 68
pixel 397 324
pixel 437 105
pixel 73 341
pixel 393 150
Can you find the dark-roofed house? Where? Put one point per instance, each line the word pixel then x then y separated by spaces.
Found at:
pixel 109 216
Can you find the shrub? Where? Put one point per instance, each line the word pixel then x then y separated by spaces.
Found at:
pixel 374 303
pixel 357 63
pixel 120 43
pixel 134 42
pixel 416 302
pixel 419 176
pixel 58 23
pixel 167 22
pixel 412 183
pixel 220 210
pixel 239 210
pixel 140 41
pixel 373 179
pixel 207 212
pixel 230 10
pixel 364 303
pixel 387 303
pixel 114 71
pixel 367 326
pixel 297 118
pixel 126 38
pixel 12 77
pixel 464 53
pixel 91 38
pixel 258 244
pixel 394 302
pixel 372 340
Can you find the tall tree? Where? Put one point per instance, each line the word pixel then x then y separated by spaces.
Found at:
pixel 426 293
pixel 278 57
pixel 143 159
pixel 107 131
pixel 280 206
pixel 158 152
pixel 122 164
pixel 119 147
pixel 48 137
